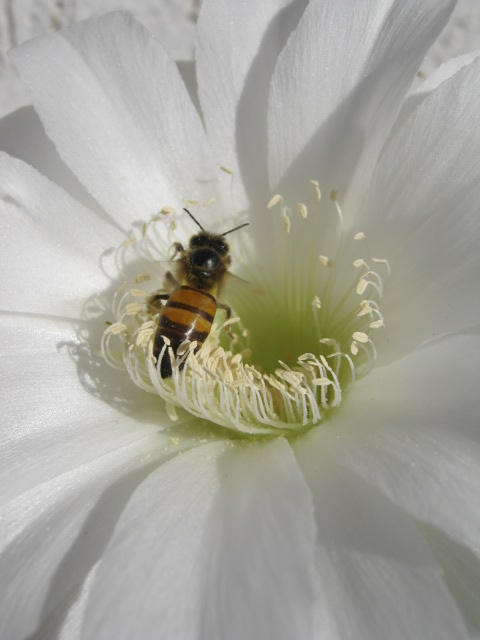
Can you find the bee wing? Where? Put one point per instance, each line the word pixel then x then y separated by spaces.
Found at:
pixel 236 286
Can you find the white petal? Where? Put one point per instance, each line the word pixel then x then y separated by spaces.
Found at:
pixel 377 578
pixel 65 621
pixel 238 43
pixel 73 620
pixel 422 90
pixel 22 136
pixel 460 35
pixel 338 86
pixel 52 246
pixel 153 556
pixel 215 544
pixel 114 103
pixel 411 429
pixel 13 93
pixel 445 71
pixel 260 551
pixel 170 21
pixel 54 534
pixel 423 216
pixel 61 406
pixel 461 567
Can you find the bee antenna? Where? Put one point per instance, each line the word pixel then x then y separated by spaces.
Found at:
pixel 194 219
pixel 245 224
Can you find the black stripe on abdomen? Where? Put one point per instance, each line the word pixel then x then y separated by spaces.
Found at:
pixel 187 307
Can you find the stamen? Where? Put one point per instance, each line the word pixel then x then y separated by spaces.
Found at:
pixel 133 308
pixel 231 173
pixel 116 328
pixel 385 262
pixel 302 210
pixel 333 198
pixel 363 284
pixel 360 263
pixel 359 336
pixel 316 186
pixel 274 201
pixel 364 308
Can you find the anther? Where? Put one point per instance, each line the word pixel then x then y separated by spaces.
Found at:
pixel 361 286
pixel 325 261
pixel 316 186
pixel 133 308
pixel 302 210
pixel 143 277
pixel 359 336
pixel 171 411
pixel 359 263
pixel 275 200
pixel 116 328
pixel 364 308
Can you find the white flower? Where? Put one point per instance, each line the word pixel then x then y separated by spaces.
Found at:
pixel 117 524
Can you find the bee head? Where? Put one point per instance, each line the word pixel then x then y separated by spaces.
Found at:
pixel 207 253
pixel 212 241
pixel 207 257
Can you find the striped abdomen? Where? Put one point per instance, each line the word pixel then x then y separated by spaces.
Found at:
pixel 188 315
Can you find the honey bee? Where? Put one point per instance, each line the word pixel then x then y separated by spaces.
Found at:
pixel 190 308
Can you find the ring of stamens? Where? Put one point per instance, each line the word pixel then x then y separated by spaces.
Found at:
pixel 224 385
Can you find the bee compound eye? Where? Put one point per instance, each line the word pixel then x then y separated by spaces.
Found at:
pixel 222 248
pixel 196 241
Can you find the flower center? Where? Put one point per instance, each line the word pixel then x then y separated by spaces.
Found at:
pixel 294 343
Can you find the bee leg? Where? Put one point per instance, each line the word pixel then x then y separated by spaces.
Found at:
pixel 176 249
pixel 155 299
pixel 228 315
pixel 172 281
